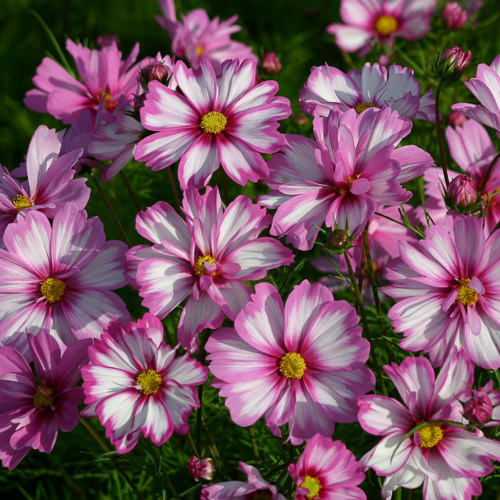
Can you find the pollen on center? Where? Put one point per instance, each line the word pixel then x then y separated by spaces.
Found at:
pixel 213 122
pixel 20 201
pixel 386 24
pixel 150 382
pixel 430 435
pixel 292 365
pixel 200 269
pixel 360 107
pixel 43 396
pixel 53 289
pixel 313 484
pixel 466 294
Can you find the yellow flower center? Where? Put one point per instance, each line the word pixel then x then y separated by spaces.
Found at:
pixel 430 435
pixel 110 102
pixel 20 201
pixel 292 365
pixel 385 25
pixel 313 484
pixel 43 396
pixel 199 50
pixel 213 122
pixel 364 105
pixel 466 294
pixel 199 266
pixel 53 289
pixel 149 381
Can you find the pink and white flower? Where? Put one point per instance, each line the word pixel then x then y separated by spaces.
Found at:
pixel 351 169
pixel 34 409
pixel 206 257
pixel 446 458
pixel 301 364
pixel 136 384
pixel 197 36
pixel 59 277
pixel 224 119
pixel 105 77
pixel 327 470
pixel 51 182
pixel 374 86
pixel 447 293
pixel 368 22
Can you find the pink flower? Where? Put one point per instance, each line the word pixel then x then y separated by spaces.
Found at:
pixel 201 468
pixel 198 37
pixel 271 63
pixel 486 88
pixel 51 182
pixel 34 409
pixel 301 363
pixel 375 86
pixel 454 16
pixel 105 77
pixel 447 293
pixel 206 257
pixel 344 176
pixel 136 385
pixel 370 21
pixel 446 458
pixel 456 119
pixel 327 469
pixel 59 278
pixel 224 120
pixel 256 487
pixel 482 406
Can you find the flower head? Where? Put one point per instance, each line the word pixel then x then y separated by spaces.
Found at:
pixel 301 363
pixel 482 406
pixel 454 16
pixel 201 468
pixel 271 63
pixel 462 191
pixel 136 384
pixel 452 63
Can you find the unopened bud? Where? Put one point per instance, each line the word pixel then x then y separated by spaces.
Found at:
pixel 201 468
pixel 337 239
pixel 456 119
pixel 271 63
pixel 454 16
pixel 478 408
pixel 452 63
pixel 155 71
pixel 462 191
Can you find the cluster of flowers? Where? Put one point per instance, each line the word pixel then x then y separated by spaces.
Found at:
pixel 301 363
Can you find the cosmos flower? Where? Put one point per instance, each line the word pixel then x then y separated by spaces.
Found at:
pixel 300 364
pixel 59 278
pixel 447 293
pixel 136 384
pixel 327 470
pixel 224 119
pixel 206 257
pixel 374 86
pixel 351 169
pixel 197 36
pixel 256 488
pixel 446 458
pixel 370 21
pixel 33 408
pixel 51 182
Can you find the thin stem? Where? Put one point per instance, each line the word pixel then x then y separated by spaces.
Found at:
pixel 155 455
pixel 106 449
pixel 371 272
pixel 419 233
pixel 173 185
pixel 255 447
pixel 193 445
pixel 212 446
pixel 361 310
pixel 130 190
pixel 199 417
pixel 439 131
pixel 110 209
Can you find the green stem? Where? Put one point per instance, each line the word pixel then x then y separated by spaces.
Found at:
pixel 155 455
pixel 130 190
pixel 173 186
pixel 442 155
pixel 193 445
pixel 255 447
pixel 371 272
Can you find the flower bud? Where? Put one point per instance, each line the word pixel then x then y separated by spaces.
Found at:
pixel 201 468
pixel 155 71
pixel 456 119
pixel 271 63
pixel 478 408
pixel 337 239
pixel 301 119
pixel 452 63
pixel 462 191
pixel 454 16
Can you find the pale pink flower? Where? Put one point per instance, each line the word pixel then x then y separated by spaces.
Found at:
pixel 446 458
pixel 206 257
pixel 374 86
pixel 447 293
pixel 59 277
pixel 136 384
pixel 224 119
pixel 301 364
pixel 341 178
pixel 370 21
pixel 327 470
pixel 256 488
pixel 51 183
pixel 197 36
pixel 34 409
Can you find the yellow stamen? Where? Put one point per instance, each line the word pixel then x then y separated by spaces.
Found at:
pixel 466 294
pixel 43 397
pixel 430 435
pixel 213 122
pixel 110 102
pixel 20 201
pixel 199 50
pixel 199 266
pixel 53 289
pixel 385 25
pixel 313 484
pixel 292 365
pixel 149 381
pixel 364 105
